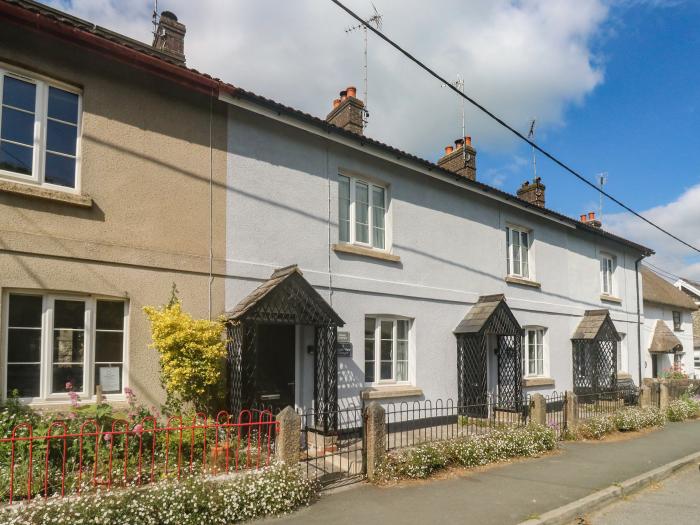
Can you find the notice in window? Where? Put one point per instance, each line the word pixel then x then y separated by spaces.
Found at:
pixel 110 378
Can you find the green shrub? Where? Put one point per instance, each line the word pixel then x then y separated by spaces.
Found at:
pixel 499 445
pixel 276 490
pixel 682 409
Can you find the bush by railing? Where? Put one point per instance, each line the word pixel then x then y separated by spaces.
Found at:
pixel 71 457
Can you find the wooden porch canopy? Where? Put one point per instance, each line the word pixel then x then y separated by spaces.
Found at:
pixel 664 340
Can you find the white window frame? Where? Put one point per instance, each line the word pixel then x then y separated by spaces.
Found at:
pixel 377 350
pixel 622 356
pixel 608 263
pixel 43 84
pixel 518 272
pixel 526 351
pixel 352 234
pixel 46 353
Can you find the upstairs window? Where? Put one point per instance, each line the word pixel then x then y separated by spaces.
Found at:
pixel 361 213
pixel 677 326
pixel 55 340
pixel 518 251
pixel 386 350
pixel 607 274
pixel 39 131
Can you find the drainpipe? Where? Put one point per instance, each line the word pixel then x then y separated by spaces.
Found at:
pixel 639 321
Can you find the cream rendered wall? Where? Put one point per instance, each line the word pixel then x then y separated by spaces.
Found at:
pixel 146 164
pixel 282 209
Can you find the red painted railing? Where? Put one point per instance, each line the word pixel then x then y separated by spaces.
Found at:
pixel 61 461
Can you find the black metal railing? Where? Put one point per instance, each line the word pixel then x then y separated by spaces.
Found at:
pixel 333 457
pixel 409 424
pixel 602 403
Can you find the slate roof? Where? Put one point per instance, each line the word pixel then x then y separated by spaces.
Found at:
pixel 664 340
pixel 590 325
pixel 77 25
pixel 658 290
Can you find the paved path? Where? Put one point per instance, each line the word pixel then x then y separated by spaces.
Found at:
pixel 675 501
pixel 507 493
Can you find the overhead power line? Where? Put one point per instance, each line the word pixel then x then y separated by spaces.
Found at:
pixel 510 128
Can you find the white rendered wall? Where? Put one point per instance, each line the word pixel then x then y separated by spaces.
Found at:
pixel 282 209
pixel 654 312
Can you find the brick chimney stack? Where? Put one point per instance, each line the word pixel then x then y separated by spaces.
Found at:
pixel 533 192
pixel 170 36
pixel 348 111
pixel 460 159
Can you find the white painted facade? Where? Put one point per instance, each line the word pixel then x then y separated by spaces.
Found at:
pixel 654 312
pixel 282 209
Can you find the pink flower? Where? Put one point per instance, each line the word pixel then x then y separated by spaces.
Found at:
pixel 138 429
pixel 108 437
pixel 72 415
pixel 69 386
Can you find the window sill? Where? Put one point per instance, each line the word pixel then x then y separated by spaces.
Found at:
pixel 387 392
pixel 610 298
pixel 37 192
pixel 512 279
pixel 365 252
pixel 538 381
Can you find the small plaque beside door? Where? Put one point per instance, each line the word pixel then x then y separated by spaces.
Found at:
pixel 343 345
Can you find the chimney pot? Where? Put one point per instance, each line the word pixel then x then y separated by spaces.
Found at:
pixel 468 140
pixel 459 143
pixel 448 150
pixel 348 111
pixel 583 217
pixel 591 215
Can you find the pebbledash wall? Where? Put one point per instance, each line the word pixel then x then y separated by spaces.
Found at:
pixel 282 209
pixel 145 164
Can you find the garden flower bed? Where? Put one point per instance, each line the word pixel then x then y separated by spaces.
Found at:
pixel 277 489
pixel 499 445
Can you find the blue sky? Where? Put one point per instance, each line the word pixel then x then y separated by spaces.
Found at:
pixel 614 84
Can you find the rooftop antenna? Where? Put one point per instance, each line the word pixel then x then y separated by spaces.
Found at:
pixel 602 181
pixel 459 84
pixel 155 18
pixel 531 137
pixel 376 21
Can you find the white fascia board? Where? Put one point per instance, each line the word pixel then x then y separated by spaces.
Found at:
pixel 680 283
pixel 377 152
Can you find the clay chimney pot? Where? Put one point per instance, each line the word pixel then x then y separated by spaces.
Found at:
pixel 351 91
pixel 448 150
pixel 343 95
pixel 591 215
pixel 469 141
pixel 336 103
pixel 583 217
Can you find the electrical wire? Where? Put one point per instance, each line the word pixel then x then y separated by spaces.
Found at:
pixel 510 128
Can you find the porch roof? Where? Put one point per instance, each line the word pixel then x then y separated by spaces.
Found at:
pixel 664 340
pixel 592 323
pixel 313 304
pixel 479 317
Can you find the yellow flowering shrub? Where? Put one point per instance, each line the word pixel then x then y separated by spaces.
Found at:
pixel 191 353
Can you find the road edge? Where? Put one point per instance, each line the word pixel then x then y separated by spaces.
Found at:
pixel 569 512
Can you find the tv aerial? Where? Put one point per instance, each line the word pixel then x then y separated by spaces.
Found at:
pixel 376 21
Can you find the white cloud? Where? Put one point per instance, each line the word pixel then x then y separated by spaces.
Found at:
pixel 523 57
pixel 681 217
